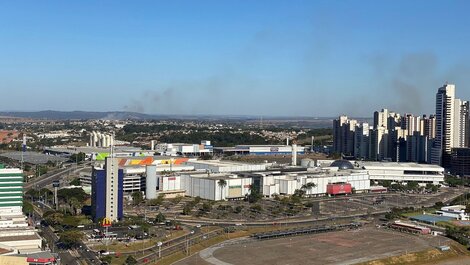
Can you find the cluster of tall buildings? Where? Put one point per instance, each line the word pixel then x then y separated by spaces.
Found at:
pixel 395 137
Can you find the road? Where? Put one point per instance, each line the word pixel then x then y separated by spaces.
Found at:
pixel 48 178
pixel 177 244
pixel 79 256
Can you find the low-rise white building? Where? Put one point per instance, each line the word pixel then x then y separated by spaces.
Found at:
pixel 286 183
pixel 404 172
pixel 173 149
pixel 454 211
pixel 218 166
pixel 24 240
pixel 216 186
pixel 260 150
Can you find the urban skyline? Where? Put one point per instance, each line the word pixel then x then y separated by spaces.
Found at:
pixel 408 138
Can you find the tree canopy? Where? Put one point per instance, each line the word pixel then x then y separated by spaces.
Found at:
pixel 71 238
pixel 67 194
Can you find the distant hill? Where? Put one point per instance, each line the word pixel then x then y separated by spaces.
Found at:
pixel 283 121
pixel 80 115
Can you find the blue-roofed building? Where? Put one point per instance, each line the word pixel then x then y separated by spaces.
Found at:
pixel 431 218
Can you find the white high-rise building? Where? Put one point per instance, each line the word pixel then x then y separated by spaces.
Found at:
pixel 379 144
pixel 381 119
pixel 460 133
pixel 428 126
pixel 413 124
pixel 445 112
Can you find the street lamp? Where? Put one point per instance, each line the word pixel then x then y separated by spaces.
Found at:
pixel 159 244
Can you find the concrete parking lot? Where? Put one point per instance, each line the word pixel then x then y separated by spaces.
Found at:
pixel 342 247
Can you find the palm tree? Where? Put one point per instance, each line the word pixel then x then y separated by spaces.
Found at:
pixel 222 183
pixel 308 186
pixel 76 205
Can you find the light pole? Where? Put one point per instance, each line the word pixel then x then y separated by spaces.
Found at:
pixel 159 244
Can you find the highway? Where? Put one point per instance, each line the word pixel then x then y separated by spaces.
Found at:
pixel 48 178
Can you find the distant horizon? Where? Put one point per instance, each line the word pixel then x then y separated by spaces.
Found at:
pixel 189 115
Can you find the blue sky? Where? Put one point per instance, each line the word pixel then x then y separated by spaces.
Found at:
pixel 308 58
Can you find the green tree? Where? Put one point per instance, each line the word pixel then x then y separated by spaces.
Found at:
pixel 385 183
pixel 75 205
pixel 160 218
pixel 439 205
pixel 67 194
pixel 131 260
pixel 71 221
pixel 75 182
pixel 222 184
pixel 254 196
pixel 33 194
pixel 187 209
pixel 71 238
pixel 238 209
pixel 53 218
pixel 46 194
pixel 308 186
pixel 77 158
pixel 157 201
pixel 206 207
pixel 137 197
pixel 299 193
pixel 27 208
pixel 196 200
pixel 41 170
pixel 256 208
pixel 177 199
pixel 412 185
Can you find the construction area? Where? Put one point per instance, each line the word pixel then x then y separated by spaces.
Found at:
pixel 353 246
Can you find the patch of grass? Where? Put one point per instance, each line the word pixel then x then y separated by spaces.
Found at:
pixel 200 246
pixel 118 247
pixel 419 212
pixel 429 256
pixel 446 224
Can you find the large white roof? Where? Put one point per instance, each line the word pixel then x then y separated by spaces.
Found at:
pixel 401 166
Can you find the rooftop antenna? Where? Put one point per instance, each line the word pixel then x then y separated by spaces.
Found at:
pixel 111 146
pixel 23 151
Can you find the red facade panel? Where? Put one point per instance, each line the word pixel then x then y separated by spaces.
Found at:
pixel 339 188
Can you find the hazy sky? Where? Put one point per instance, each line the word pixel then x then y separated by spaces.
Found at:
pixel 309 58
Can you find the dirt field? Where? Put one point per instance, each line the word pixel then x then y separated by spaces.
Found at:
pixel 344 247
